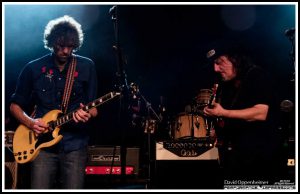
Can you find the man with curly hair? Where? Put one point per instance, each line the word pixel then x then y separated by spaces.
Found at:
pixel 43 82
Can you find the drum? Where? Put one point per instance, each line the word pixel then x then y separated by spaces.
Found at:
pixel 203 97
pixel 9 136
pixel 182 126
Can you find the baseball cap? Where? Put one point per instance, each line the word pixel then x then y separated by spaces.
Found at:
pixel 220 48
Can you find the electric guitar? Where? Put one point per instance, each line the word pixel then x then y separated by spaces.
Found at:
pixel 27 144
pixel 218 123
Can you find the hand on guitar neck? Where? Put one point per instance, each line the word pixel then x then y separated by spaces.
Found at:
pixel 213 109
pixel 82 115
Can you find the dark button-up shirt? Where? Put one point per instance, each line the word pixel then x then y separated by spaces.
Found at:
pixel 41 83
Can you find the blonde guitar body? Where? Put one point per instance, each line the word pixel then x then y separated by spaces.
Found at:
pixel 26 144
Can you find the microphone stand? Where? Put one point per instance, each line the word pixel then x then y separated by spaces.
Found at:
pixel 123 87
pixel 149 128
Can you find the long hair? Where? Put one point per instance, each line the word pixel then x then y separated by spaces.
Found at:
pixel 63 30
pixel 241 60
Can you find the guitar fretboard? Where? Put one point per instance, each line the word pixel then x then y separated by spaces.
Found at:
pixel 68 117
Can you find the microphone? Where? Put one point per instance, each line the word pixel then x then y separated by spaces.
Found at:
pixel 112 10
pixel 290 32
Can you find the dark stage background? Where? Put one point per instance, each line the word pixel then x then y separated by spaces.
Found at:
pixel 164 47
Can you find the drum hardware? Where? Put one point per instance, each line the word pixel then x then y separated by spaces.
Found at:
pixel 192 126
pixel 197 124
pixel 179 124
pixel 207 128
pixel 150 126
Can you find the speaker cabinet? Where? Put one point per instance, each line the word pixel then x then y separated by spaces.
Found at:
pixel 11 169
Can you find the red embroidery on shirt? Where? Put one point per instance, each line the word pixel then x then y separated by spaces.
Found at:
pixel 76 74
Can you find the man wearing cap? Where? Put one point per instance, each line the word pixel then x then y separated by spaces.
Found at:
pixel 247 136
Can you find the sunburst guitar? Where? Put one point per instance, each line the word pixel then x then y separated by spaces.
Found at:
pixel 27 144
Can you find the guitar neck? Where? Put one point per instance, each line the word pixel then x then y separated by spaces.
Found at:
pixel 69 117
pixel 213 96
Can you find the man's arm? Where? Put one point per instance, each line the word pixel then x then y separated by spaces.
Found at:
pixel 256 113
pixel 37 125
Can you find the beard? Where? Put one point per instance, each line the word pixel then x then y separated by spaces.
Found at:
pixel 62 59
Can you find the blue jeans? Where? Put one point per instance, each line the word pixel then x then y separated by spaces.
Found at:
pixel 59 170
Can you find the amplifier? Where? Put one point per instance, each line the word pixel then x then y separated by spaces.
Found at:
pixel 107 160
pixel 187 164
pixel 183 150
pixel 108 170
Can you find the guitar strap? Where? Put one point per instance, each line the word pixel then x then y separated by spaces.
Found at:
pixel 68 85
